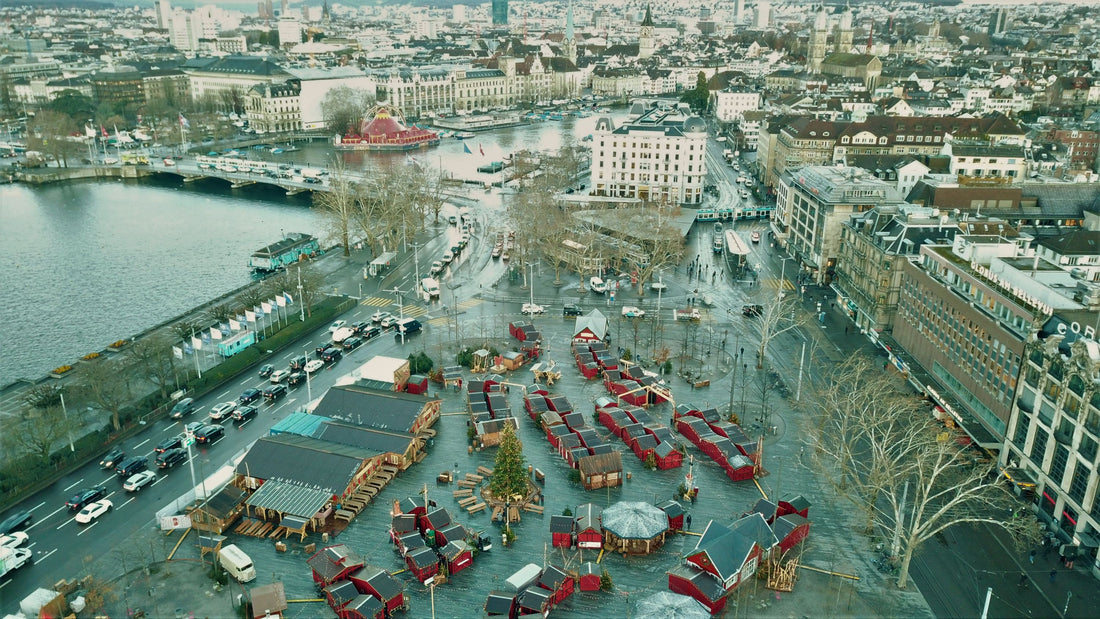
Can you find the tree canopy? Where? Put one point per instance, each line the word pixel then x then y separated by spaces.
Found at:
pixel 509 480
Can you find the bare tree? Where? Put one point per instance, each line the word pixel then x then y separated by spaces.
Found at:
pixel 312 291
pixel 343 107
pixel 105 386
pixel 221 312
pixel 881 449
pixel 49 132
pixel 43 395
pixel 40 430
pixel 153 360
pixel 338 205
pixel 186 329
pixel 777 316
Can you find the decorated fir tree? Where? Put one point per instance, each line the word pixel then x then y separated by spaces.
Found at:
pixel 510 470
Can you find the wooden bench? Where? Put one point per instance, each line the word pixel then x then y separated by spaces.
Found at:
pixel 343 514
pixel 468 501
pixel 473 509
pixel 465 483
pixel 473 477
pixel 458 494
pixel 486 471
pixel 531 507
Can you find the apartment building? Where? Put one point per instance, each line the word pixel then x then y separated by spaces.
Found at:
pixel 275 108
pixel 659 156
pixel 982 160
pixel 730 105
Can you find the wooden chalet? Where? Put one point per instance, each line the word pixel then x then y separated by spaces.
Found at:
pixel 601 471
pixel 588 528
pixel 382 585
pixel 458 555
pixel 488 433
pixel 339 594
pixel 410 542
pixel 667 456
pixel 402 524
pixel 795 505
pixel 434 520
pixel 397 449
pixel 363 607
pixel 453 532
pixel 722 559
pixel 423 563
pixel 790 529
pixel 333 564
pixel 634 527
pixel 268 601
pixel 589 576
pixel 500 604
pixel 534 601
pixel 413 506
pixel 591 327
pixel 417 385
pixel 511 360
pixel 557 582
pixel 561 531
pixel 221 510
pixel 378 409
pixel 674 512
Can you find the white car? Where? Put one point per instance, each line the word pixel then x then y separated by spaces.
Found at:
pixel 314 365
pixel 139 481
pixel 221 411
pixel 532 308
pixel 93 511
pixel 15 539
pixel 379 316
pixel 279 376
pixel 448 257
pixel 336 325
pixel 437 268
pixel 658 286
pixel 389 321
pixel 629 311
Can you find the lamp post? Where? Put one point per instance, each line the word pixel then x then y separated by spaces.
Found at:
pixel 68 427
pixel 301 297
pixel 309 386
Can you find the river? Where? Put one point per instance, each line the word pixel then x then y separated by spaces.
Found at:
pixel 90 263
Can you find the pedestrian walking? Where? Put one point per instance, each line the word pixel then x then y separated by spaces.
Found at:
pixel 1023 581
pixel 1053 573
pixel 1031 557
pixel 713 277
pixel 687 519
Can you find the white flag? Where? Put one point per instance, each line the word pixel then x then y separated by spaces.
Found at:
pixel 250 315
pixel 197 343
pixel 178 352
pixel 280 300
pixel 233 324
pixel 266 307
pixel 215 334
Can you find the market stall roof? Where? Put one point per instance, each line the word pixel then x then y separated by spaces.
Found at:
pixel 635 520
pixel 669 605
pixel 290 498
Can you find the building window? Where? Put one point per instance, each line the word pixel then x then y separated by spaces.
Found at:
pixel 1058 464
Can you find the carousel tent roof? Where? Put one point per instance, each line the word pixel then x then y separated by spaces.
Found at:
pixel 669 605
pixel 382 124
pixel 635 520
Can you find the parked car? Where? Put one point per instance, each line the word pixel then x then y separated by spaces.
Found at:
pixel 266 370
pixel 658 286
pixel 93 511
pixel 275 392
pixel 352 343
pixel 752 310
pixel 220 411
pixel 207 435
pixel 371 331
pixel 532 309
pixel 629 311
pixel 139 481
pixel 571 309
pixel 448 257
pixel 296 379
pixel 185 406
pixel 279 376
pixel 132 466
pixel 298 363
pixel 169 443
pixel 112 458
pixel 244 413
pixel 597 285
pixel 16 521
pixel 171 458
pixel 250 395
pixel 85 496
pixel 336 325
pixel 314 365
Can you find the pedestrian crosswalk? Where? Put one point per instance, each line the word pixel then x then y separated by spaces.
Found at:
pixel 413 311
pixel 377 301
pixel 468 303
pixel 774 282
pixel 440 321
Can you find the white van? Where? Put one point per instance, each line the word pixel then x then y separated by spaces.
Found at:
pixel 597 285
pixel 237 563
pixel 430 287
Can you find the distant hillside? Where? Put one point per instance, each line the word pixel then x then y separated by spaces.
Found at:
pixel 93 5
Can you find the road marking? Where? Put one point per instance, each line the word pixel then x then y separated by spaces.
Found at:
pixel 45 556
pixel 223 394
pixel 126 503
pixel 6 583
pixel 88 528
pixel 74 485
pixel 159 478
pixel 65 523
pixel 138 446
pixel 377 301
pixel 37 506
pixel 47 517
pixel 107 480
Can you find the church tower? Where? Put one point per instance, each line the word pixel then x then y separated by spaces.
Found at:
pixel 646 43
pixel 844 31
pixel 934 29
pixel 819 35
pixel 569 45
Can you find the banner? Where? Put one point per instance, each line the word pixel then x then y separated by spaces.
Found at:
pixel 289 299
pixel 259 312
pixel 169 523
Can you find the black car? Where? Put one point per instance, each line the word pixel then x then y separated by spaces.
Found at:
pixel 185 406
pixel 360 326
pixel 171 458
pixel 244 413
pixel 131 466
pixel 296 379
pixel 331 354
pixel 266 370
pixel 169 443
pixel 571 309
pixel 371 331
pixel 352 343
pixel 274 392
pixel 752 310
pixel 250 395
pixel 15 522
pixel 85 496
pixel 320 350
pixel 298 363
pixel 208 434
pixel 112 458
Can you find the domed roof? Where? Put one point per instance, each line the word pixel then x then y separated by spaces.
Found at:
pixel 635 520
pixel 382 124
pixel 695 125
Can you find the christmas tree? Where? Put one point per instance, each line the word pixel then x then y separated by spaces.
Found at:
pixel 510 470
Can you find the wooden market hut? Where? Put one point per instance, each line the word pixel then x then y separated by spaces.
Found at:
pixel 601 471
pixel 490 431
pixel 382 585
pixel 339 594
pixel 334 563
pixel 723 558
pixel 500 603
pixel 588 529
pixel 402 524
pixel 589 576
pixel 221 510
pixel 790 529
pixel 557 582
pixel 363 607
pixel 534 601
pixel 434 520
pixel 379 409
pixel 674 512
pixel 511 360
pixel 591 327
pixel 668 457
pixel 268 601
pixel 634 527
pixel 453 532
pixel 423 563
pixel 795 505
pixel 458 555
pixel 561 531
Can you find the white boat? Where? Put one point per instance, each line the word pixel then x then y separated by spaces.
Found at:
pixel 277 151
pixel 446 134
pixel 463 135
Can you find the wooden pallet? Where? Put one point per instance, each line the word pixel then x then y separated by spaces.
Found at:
pixel 531 507
pixel 458 494
pixel 484 470
pixel 343 514
pixel 465 483
pixel 474 477
pixel 473 509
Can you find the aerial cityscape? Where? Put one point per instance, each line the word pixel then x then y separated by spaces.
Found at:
pixel 568 308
